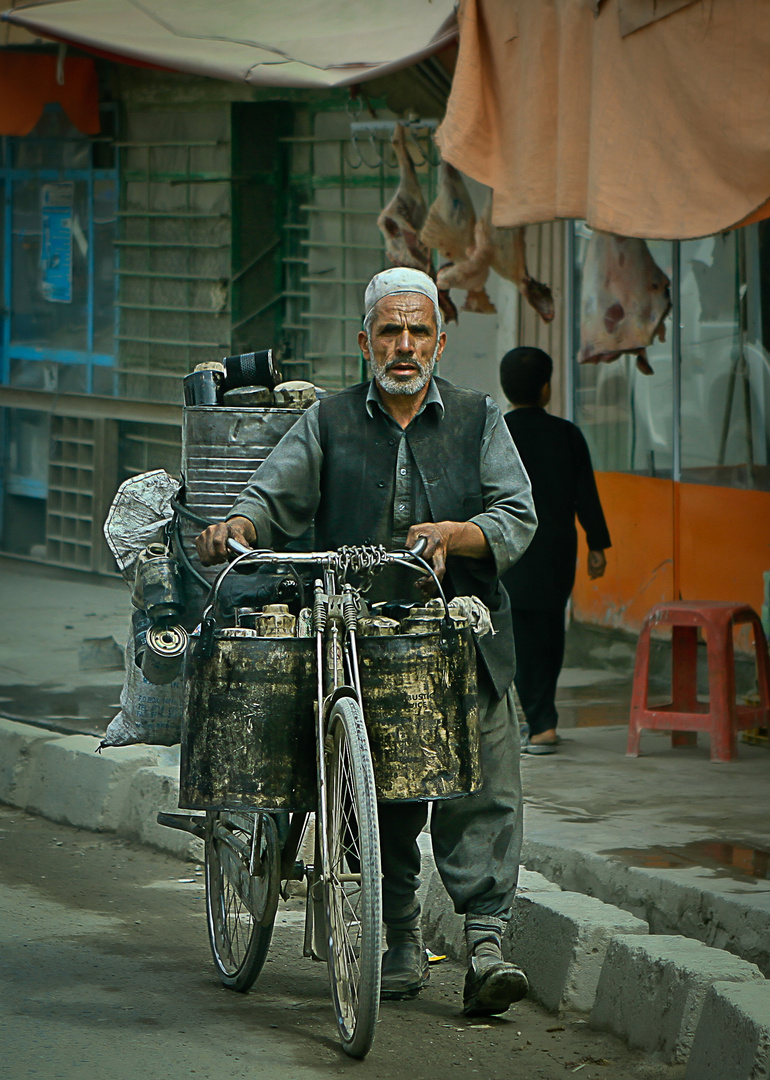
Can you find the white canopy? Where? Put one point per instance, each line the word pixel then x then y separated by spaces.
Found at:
pixel 311 43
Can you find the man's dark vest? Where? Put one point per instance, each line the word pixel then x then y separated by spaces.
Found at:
pixel 359 466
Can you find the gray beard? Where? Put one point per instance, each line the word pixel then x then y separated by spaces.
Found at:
pixel 391 385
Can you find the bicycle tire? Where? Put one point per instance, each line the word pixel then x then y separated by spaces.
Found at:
pixel 240 904
pixel 352 878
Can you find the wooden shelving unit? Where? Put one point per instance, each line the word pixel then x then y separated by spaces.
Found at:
pixel 81 483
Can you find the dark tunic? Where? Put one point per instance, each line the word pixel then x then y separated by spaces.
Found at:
pixel 558 463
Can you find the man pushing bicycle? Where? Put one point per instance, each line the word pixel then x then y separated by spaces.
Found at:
pixel 404 456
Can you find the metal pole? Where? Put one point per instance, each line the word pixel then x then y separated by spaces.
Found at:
pixel 676 365
pixel 569 322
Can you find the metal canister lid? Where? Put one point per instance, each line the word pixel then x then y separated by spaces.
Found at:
pixel 295 394
pixel 377 627
pixel 248 397
pixel 210 365
pixel 280 623
pixel 421 624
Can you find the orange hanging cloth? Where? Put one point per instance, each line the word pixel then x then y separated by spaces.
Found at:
pixel 28 83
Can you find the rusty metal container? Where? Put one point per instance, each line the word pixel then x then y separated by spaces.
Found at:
pixel 221 448
pixel 248 734
pixel 421 709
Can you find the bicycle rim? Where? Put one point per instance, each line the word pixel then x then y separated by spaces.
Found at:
pixel 241 899
pixel 351 852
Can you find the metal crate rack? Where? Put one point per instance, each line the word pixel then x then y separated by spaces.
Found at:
pixel 80 485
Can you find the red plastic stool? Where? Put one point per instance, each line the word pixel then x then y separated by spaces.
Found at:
pixel 684 715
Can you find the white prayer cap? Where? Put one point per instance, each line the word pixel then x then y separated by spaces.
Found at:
pixel 400 279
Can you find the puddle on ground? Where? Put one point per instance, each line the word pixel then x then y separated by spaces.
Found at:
pixel 727 860
pixel 596 705
pixel 86 710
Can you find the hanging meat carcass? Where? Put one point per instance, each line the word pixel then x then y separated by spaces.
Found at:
pixel 471 273
pixel 451 221
pixel 509 260
pixel 624 300
pixel 402 219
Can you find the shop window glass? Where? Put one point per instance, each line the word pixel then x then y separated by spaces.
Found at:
pixel 626 417
pixel 50 264
pixel 54 143
pixel 725 370
pixel 59 260
pixel 105 223
pixel 2 250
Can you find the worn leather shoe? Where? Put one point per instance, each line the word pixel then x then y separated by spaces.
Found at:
pixel 405 971
pixel 491 988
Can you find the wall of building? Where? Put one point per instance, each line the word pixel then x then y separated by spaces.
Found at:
pixel 242 222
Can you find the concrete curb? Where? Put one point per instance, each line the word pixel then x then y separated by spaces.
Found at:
pixel 732 1039
pixel 578 930
pixel 580 953
pixel 669 906
pixel 120 790
pixel 652 989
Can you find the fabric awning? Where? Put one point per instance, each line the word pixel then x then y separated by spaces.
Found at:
pixel 311 43
pixel 28 83
pixel 663 133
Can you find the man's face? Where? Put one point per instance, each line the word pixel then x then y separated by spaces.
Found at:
pixel 403 346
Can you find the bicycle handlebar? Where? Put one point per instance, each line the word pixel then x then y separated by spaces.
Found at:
pixel 319 558
pixel 359 559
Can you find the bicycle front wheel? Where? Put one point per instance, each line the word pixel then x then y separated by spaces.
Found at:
pixel 351 853
pixel 242 882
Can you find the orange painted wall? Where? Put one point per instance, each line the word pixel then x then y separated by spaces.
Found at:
pixel 640 563
pixel 672 541
pixel 724 543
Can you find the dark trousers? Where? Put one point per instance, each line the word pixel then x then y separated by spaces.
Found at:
pixel 476 838
pixel 539 641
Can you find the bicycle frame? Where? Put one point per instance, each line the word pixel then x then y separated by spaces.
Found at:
pixel 346 867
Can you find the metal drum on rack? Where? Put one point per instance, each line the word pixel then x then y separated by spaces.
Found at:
pixel 221 448
pixel 248 733
pixel 421 711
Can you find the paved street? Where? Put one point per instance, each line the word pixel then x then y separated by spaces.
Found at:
pixel 105 971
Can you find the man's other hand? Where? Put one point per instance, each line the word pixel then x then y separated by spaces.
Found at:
pixel 446 538
pixel 597 564
pixel 436 538
pixel 212 543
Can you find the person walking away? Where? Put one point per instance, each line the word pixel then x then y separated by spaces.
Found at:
pixel 558 463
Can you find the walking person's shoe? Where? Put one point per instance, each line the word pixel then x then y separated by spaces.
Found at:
pixel 492 984
pixel 539 748
pixel 544 746
pixel 405 968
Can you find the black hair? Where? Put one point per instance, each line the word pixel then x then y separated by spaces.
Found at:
pixel 523 374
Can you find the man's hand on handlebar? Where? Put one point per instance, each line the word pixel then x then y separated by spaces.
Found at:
pixel 212 543
pixel 435 552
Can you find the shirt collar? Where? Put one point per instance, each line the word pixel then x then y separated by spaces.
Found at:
pixel 433 397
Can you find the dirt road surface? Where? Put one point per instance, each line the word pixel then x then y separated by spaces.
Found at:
pixel 105 972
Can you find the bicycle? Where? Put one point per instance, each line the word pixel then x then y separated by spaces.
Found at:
pixel 251 845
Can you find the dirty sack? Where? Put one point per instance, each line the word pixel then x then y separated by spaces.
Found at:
pixel 148 713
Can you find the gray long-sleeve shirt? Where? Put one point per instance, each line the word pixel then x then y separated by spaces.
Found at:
pixel 284 493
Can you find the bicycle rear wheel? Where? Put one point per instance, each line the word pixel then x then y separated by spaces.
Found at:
pixel 242 882
pixel 351 853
